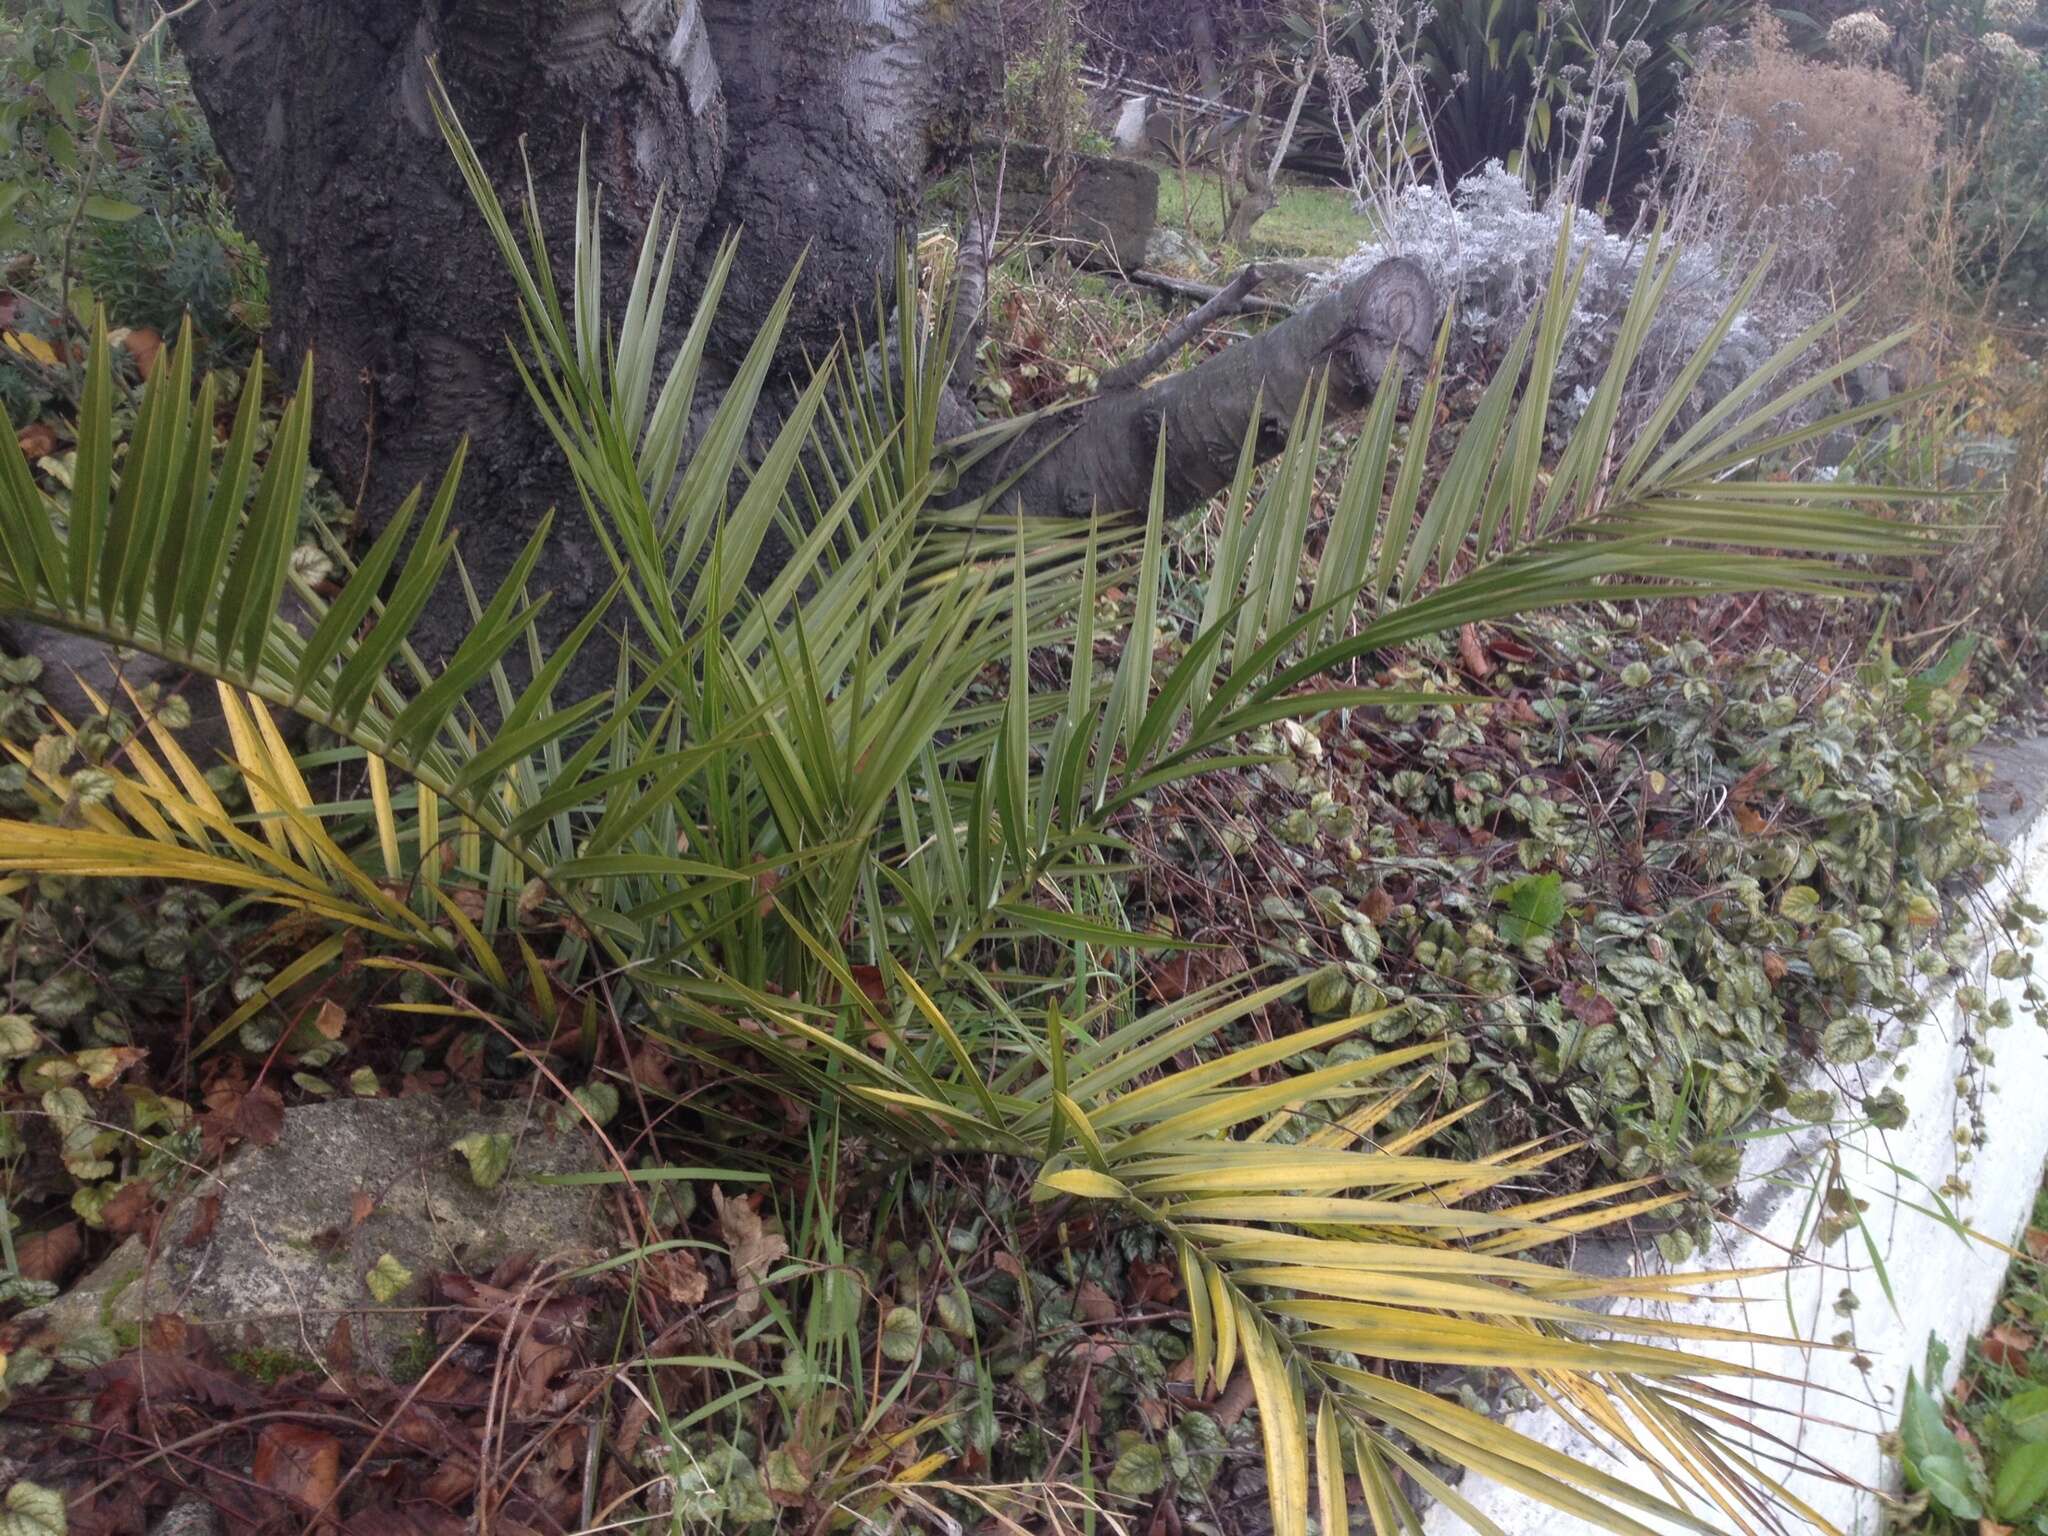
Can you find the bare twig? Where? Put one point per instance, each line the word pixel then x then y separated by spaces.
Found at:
pixel 1225 301
pixel 1187 288
pixel 970 292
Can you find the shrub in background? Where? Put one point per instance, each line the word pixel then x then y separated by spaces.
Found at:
pixel 1995 95
pixel 1977 66
pixel 1827 162
pixel 1516 80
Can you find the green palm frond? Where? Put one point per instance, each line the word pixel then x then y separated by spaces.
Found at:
pixel 855 766
pixel 875 774
pixel 1308 1250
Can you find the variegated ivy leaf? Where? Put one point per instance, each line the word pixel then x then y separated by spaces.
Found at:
pixel 1811 1104
pixel 1800 904
pixel 67 1107
pixel 1848 1040
pixel 1139 1471
pixel 599 1101
pixel 63 997
pixel 29 1509
pixel 489 1154
pixel 17 1035
pixel 901 1332
pixel 388 1278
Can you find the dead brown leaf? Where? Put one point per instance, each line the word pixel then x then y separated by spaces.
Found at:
pixel 752 1245
pixel 1588 1006
pixel 260 1116
pixel 143 343
pixel 169 1334
pixel 131 1208
pixel 37 440
pixel 341 1347
pixel 869 979
pixel 2036 1242
pixel 534 1369
pixel 1236 1398
pixel 1094 1303
pixel 681 1276
pixel 109 1063
pixel 1153 1284
pixel 331 1020
pixel 450 1483
pixel 236 1113
pixel 1190 970
pixel 302 1464
pixel 1472 653
pixel 2008 1345
pixel 206 1215
pixel 51 1255
pixel 171 1375
pixel 650 1066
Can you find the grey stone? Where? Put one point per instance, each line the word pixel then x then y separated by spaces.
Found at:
pixel 190 1516
pixel 1169 250
pixel 1869 384
pixel 1979 463
pixel 286 1258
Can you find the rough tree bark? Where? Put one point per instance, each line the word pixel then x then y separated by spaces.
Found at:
pixel 804 123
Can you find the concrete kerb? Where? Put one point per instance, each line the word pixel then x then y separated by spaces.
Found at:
pixel 1974 1139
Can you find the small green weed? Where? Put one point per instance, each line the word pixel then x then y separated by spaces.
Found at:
pixel 1978 1459
pixel 130 213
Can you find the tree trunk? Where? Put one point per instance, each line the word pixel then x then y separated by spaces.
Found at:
pixel 804 123
pixel 768 118
pixel 1261 187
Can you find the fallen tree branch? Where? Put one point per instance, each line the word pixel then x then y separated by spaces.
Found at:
pixel 1225 301
pixel 1187 288
pixel 1103 462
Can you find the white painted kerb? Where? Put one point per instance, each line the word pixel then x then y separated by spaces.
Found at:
pixel 1943 1283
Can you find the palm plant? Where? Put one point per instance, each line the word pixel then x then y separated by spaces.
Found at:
pixel 804 812
pixel 1502 81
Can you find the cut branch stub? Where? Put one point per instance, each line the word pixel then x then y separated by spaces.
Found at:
pixel 1103 463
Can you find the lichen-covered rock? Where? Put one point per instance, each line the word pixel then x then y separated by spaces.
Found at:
pixel 345 1215
pixel 1168 250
